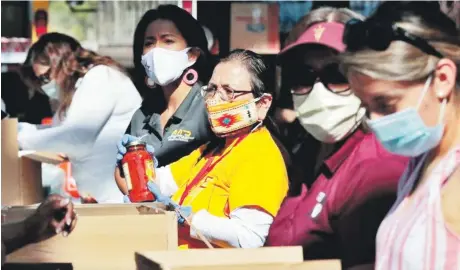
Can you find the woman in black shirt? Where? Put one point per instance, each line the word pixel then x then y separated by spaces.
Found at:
pixel 171 60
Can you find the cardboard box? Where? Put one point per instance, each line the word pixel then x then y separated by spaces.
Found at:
pixel 267 258
pixel 106 237
pixel 21 174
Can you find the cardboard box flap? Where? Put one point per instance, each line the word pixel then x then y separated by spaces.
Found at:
pixel 11 189
pixel 273 258
pixel 307 265
pixel 195 257
pixel 106 237
pixel 43 157
pixel 17 213
pixel 21 175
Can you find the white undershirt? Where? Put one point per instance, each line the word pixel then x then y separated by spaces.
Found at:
pixel 4 108
pixel 101 109
pixel 246 228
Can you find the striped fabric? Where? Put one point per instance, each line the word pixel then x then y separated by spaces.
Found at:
pixel 415 236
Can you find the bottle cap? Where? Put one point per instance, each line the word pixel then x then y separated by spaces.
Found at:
pixel 135 143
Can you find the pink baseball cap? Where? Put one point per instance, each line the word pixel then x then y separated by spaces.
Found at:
pixel 326 33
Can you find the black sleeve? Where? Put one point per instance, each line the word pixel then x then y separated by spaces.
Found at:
pixel 128 129
pixel 3 253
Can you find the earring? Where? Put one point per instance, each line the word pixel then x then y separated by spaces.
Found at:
pixel 442 77
pixel 190 77
pixel 149 82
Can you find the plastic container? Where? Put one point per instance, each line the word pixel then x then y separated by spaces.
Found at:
pixel 138 169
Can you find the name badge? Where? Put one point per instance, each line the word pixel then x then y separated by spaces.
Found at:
pixel 320 199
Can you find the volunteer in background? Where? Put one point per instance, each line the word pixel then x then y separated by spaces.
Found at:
pixel 96 102
pixel 54 216
pixel 338 216
pixel 404 63
pixel 171 59
pixel 233 185
pixel 304 148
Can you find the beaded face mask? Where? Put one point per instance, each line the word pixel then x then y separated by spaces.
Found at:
pixel 228 118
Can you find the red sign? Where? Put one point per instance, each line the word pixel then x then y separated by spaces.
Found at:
pixel 187 5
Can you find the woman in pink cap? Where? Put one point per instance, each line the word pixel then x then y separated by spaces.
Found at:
pixel 336 211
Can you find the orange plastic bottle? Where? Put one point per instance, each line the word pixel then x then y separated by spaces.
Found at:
pixel 138 170
pixel 47 121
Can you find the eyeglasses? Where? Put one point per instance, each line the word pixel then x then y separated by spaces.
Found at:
pixel 302 81
pixel 225 94
pixel 378 36
pixel 45 77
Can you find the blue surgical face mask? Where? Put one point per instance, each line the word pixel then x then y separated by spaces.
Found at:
pixel 404 133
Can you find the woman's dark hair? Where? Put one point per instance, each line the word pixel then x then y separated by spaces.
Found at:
pixel 41 15
pixel 256 66
pixel 190 29
pixel 68 61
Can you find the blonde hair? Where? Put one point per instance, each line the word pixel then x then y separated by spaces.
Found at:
pixel 402 61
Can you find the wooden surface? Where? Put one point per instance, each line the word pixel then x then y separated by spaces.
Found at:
pixel 106 237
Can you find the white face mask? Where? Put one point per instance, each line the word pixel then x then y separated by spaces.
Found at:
pixel 327 116
pixel 51 89
pixel 165 66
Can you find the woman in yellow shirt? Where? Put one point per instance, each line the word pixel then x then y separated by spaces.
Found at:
pixel 232 187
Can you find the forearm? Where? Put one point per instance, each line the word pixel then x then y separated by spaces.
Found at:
pixel 14 236
pixel 92 106
pixel 72 140
pixel 246 228
pixel 121 181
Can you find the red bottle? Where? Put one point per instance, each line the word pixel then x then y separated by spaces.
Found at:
pixel 138 170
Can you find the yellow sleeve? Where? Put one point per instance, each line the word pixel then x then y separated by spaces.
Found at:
pixel 182 168
pixel 259 181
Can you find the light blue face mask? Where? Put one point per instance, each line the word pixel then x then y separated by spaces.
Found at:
pixel 51 89
pixel 404 133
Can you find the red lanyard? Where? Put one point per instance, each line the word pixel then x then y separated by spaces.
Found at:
pixel 205 170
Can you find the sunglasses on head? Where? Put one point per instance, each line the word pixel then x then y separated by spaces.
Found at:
pixel 45 77
pixel 378 37
pixel 302 81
